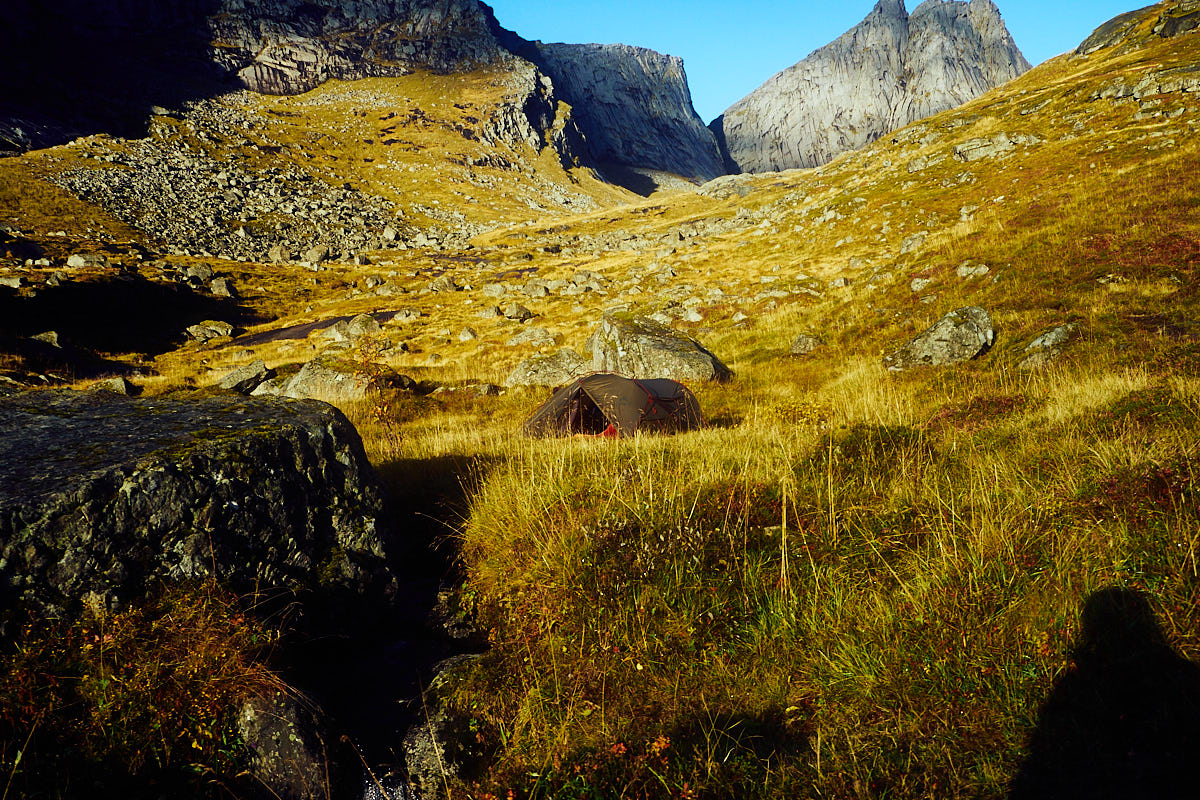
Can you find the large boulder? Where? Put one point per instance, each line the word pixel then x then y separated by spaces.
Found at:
pixel 342 381
pixel 103 497
pixel 561 368
pixel 959 336
pixel 642 348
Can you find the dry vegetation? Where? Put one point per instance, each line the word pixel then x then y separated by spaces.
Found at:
pixel 852 584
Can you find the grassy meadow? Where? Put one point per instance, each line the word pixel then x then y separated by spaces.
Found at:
pixel 849 584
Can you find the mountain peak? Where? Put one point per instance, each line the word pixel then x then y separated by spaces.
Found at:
pixel 889 70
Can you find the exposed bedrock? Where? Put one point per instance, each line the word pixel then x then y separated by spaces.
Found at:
pixel 103 497
pixel 886 72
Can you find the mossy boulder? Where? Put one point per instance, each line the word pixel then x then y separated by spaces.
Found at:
pixel 638 347
pixel 104 497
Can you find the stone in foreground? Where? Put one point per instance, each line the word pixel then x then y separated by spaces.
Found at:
pixel 959 336
pixel 638 347
pixel 102 497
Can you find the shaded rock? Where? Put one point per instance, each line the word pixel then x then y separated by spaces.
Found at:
pixel 642 348
pixel 48 337
pixel 246 379
pixel 117 385
pixel 223 287
pixel 555 370
pixel 442 745
pixel 959 336
pixel 287 754
pixel 109 496
pixel 804 344
pixel 633 105
pixel 209 329
pixel 467 335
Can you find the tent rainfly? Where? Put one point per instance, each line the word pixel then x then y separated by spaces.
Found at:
pixel 605 404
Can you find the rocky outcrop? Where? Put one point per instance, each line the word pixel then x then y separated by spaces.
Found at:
pixel 1171 19
pixel 633 105
pixel 638 347
pixel 889 70
pixel 959 336
pixel 292 46
pixel 103 497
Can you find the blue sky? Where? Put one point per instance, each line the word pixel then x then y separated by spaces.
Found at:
pixel 730 48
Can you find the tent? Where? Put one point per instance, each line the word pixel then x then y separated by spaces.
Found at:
pixel 604 404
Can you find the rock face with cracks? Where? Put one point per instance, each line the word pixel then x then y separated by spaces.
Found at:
pixel 959 336
pixel 103 497
pixel 889 70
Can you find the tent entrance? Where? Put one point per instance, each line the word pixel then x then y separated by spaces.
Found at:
pixel 584 416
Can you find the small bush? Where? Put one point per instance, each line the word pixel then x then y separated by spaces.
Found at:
pixel 149 691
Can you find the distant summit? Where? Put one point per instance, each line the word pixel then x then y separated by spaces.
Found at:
pixel 889 70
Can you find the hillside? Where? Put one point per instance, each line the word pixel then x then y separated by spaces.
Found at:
pixel 975 580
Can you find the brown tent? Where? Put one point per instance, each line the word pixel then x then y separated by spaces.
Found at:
pixel 612 405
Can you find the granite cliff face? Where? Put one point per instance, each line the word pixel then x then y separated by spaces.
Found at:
pixel 118 61
pixel 292 46
pixel 634 106
pixel 889 70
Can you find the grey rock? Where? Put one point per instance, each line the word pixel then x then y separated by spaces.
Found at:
pixel 200 272
pixel 317 254
pixel 209 329
pixel 517 312
pixel 804 344
pixel 81 260
pixel 883 74
pixel 285 741
pixel 13 281
pixel 554 370
pixel 633 106
pixel 1046 348
pixel 48 337
pixel 642 348
pixel 339 381
pixel 362 325
pixel 223 287
pixel 116 385
pixel 279 254
pixel 538 337
pixel 970 270
pixel 105 496
pixel 911 243
pixel 444 284
pixel 918 285
pixel 246 379
pixel 467 335
pixel 996 145
pixel 959 336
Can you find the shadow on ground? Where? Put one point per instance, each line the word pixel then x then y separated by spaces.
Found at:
pixel 1124 721
pixel 371 685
